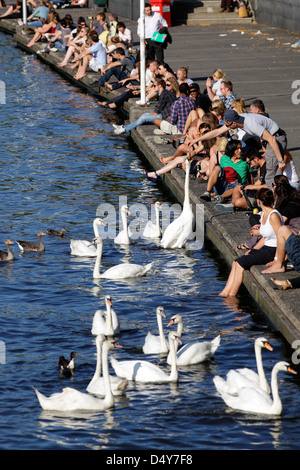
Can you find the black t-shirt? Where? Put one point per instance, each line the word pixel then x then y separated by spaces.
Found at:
pixel 291 209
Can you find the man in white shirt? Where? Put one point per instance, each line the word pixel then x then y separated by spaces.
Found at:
pixel 153 23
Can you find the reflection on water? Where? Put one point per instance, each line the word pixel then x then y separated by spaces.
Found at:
pixel 60 161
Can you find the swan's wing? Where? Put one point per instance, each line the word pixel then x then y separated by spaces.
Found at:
pixel 82 248
pixel 152 344
pixel 139 371
pixel 152 230
pixel 126 270
pixel 99 323
pixel 252 400
pixel 115 322
pixel 194 352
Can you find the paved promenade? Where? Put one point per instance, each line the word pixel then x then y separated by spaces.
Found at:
pixel 261 64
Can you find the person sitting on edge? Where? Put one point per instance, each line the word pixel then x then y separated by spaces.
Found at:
pixel 93 57
pixel 180 111
pixel 265 249
pixel 121 68
pixel 222 179
pixel 124 34
pixel 228 94
pixel 162 109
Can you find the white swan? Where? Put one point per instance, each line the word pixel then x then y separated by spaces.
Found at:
pixel 106 323
pixel 72 400
pixel 177 233
pixel 120 271
pixel 152 230
pixel 157 344
pixel 238 378
pixel 193 352
pixel 256 400
pixel 97 384
pixel 145 371
pixel 123 237
pixel 85 247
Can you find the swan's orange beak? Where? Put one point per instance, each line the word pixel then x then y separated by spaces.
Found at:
pixel 268 346
pixel 117 345
pixel 292 371
pixel 171 322
pixel 109 302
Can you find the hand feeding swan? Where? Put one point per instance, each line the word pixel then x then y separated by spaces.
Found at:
pixel 106 323
pixel 97 384
pixel 157 344
pixel 244 377
pixel 152 230
pixel 145 371
pixel 123 237
pixel 71 399
pixel 120 271
pixel 256 400
pixel 177 233
pixel 85 247
pixel 193 352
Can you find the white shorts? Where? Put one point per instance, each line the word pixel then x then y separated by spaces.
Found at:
pixel 168 128
pixel 94 65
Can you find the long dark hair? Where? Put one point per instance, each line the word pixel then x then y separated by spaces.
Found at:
pixel 283 191
pixel 231 147
pixel 266 196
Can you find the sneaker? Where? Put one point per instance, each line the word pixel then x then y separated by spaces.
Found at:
pixel 140 101
pixel 206 196
pixel 53 49
pixel 225 207
pixel 297 44
pixel 119 129
pixel 158 132
pixel 160 140
pixel 217 198
pixel 42 51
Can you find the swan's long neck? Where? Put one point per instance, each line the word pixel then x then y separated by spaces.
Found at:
pixel 277 405
pixel 97 373
pixel 163 341
pixel 109 331
pixel 179 328
pixel 96 272
pixel 96 228
pixel 260 369
pixel 109 398
pixel 187 185
pixel 173 360
pixel 125 224
pixel 157 215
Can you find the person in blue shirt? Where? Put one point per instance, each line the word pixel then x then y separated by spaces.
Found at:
pixel 94 57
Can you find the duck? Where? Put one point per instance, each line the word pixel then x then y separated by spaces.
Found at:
pixel 32 246
pixel 66 367
pixel 123 238
pixel 152 230
pixel 7 255
pixel 145 371
pixel 245 377
pixel 254 399
pixel 85 247
pixel 56 233
pixel 177 232
pixel 97 384
pixel 157 344
pixel 193 352
pixel 71 399
pixel 119 271
pixel 106 323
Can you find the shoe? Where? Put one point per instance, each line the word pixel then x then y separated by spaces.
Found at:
pixel 53 49
pixel 297 44
pixel 150 178
pixel 225 207
pixel 206 196
pixel 286 285
pixel 119 129
pixel 161 140
pixel 217 198
pixel 158 132
pixel 42 51
pixel 140 101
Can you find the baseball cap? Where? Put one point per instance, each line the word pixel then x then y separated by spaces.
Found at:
pixel 232 116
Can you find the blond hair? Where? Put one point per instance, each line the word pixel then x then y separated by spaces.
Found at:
pixel 239 105
pixel 221 144
pixel 219 74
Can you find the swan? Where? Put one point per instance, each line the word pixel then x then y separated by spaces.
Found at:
pixel 177 233
pixel 120 271
pixel 56 233
pixel 7 255
pixel 106 322
pixel 256 400
pixel 97 384
pixel 152 230
pixel 71 399
pixel 157 344
pixel 238 378
pixel 145 371
pixel 123 237
pixel 193 352
pixel 85 247
pixel 66 367
pixel 32 246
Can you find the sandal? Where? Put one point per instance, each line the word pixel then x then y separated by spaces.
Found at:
pixel 150 178
pixel 286 284
pixel 243 246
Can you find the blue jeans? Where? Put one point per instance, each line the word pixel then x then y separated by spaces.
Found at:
pixel 143 119
pixel 292 246
pixel 116 71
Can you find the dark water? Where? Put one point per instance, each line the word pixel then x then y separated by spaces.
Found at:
pixel 59 162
